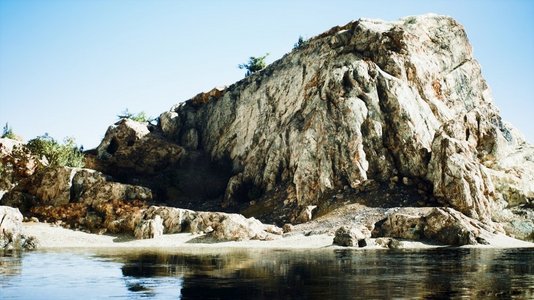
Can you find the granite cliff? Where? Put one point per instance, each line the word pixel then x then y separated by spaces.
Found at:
pixel 381 115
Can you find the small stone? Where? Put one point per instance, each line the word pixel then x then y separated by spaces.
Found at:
pixel 30 243
pixel 388 242
pixel 34 219
pixel 273 229
pixel 306 214
pixel 287 228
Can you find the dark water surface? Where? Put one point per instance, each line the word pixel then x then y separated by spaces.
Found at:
pixel 251 274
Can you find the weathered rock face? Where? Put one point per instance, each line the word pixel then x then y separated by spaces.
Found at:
pixel 370 100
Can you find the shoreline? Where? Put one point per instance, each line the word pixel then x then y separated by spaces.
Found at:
pixel 55 237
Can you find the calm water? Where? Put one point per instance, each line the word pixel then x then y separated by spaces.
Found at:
pixel 239 274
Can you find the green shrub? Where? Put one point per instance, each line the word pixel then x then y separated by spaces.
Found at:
pixel 254 64
pixel 138 117
pixel 66 154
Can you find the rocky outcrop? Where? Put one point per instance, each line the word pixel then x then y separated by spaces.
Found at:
pixel 57 186
pixel 11 235
pixel 10 226
pixel 218 226
pixel 368 101
pixel 383 114
pixel 16 163
pixel 131 147
pixel 352 237
pixel 141 154
pixel 443 225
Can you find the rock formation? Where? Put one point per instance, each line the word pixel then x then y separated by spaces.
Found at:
pixel 352 237
pixel 385 114
pixel 443 225
pixel 11 235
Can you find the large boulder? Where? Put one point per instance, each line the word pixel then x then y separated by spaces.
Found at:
pixel 234 227
pixel 57 186
pixel 11 235
pixel 442 225
pixel 352 236
pixel 54 185
pixel 131 147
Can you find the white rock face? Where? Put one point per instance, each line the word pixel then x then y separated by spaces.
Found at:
pixel 10 226
pixel 370 100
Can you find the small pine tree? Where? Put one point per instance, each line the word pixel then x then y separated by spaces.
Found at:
pixel 300 43
pixel 7 133
pixel 254 64
pixel 138 117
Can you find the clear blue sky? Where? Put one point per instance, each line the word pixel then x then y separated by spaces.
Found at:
pixel 69 67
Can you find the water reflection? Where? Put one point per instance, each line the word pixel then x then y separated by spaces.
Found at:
pixel 325 274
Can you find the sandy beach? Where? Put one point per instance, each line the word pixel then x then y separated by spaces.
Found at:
pixel 53 237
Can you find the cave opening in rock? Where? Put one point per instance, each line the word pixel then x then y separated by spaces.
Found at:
pixel 113 146
pixel 247 191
